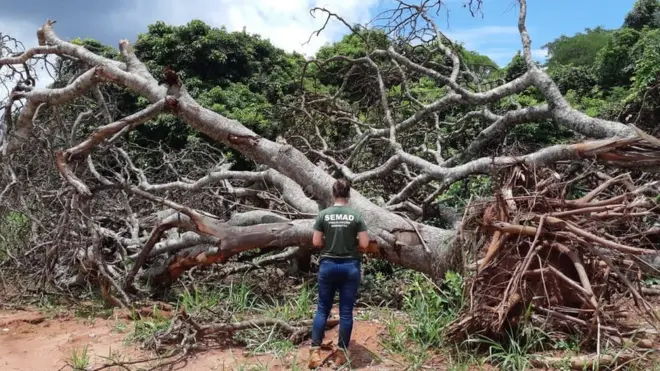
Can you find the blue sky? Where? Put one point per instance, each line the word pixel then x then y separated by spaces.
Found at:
pixel 288 24
pixel 496 34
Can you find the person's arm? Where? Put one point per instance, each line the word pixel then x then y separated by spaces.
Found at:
pixel 363 240
pixel 317 239
pixel 363 235
pixel 317 236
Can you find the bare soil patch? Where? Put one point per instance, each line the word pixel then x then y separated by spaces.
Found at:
pixel 31 341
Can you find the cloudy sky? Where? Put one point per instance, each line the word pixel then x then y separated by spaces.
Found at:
pixel 288 23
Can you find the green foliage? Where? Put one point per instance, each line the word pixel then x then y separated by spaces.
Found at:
pixel 144 330
pixel 515 353
pixel 535 135
pixel 427 309
pixel 237 74
pixel 479 64
pixel 355 45
pixel 329 73
pixel 613 65
pixel 516 68
pixel 593 104
pixel 644 13
pixel 430 308
pixel 14 231
pixel 79 361
pixel 299 307
pixel 579 50
pixel 207 57
pixel 352 46
pixel 458 193
pixel 646 56
pixel 97 47
pixel 238 102
pixel 580 79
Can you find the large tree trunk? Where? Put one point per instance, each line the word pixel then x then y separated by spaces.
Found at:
pixel 392 238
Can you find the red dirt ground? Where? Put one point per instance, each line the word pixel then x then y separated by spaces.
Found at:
pixel 29 341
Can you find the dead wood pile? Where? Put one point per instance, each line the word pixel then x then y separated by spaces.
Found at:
pixel 571 264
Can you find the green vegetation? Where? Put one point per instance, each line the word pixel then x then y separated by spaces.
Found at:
pixel 79 361
pixel 14 231
pixel 613 74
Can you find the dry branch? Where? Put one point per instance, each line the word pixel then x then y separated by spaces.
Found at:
pixel 559 257
pixel 185 331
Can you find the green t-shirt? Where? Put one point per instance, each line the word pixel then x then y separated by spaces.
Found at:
pixel 340 225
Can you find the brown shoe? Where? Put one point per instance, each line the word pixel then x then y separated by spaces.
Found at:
pixel 315 359
pixel 341 357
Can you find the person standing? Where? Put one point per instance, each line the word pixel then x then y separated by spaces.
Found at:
pixel 340 232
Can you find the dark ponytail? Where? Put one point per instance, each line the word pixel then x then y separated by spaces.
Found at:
pixel 341 189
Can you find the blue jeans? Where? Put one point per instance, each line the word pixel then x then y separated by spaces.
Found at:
pixel 341 275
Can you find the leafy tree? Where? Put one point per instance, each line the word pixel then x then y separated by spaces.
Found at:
pixel 644 13
pixel 614 67
pixel 646 58
pixel 239 74
pixel 516 68
pixel 480 64
pixel 579 50
pixel 208 57
pixel 580 79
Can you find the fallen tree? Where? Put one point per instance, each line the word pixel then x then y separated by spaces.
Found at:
pixel 156 244
pixel 572 266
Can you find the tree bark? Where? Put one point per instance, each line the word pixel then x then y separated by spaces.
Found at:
pixel 404 249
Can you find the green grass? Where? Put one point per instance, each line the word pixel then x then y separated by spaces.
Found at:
pixel 427 309
pixel 414 335
pixel 144 329
pixel 298 307
pixel 79 361
pixel 237 302
pixel 237 298
pixel 516 351
pixel 14 233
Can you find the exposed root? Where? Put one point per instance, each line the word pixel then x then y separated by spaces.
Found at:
pixel 572 262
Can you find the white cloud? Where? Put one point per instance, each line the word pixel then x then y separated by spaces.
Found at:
pixel 480 37
pixel 26 33
pixel 499 43
pixel 541 54
pixel 287 23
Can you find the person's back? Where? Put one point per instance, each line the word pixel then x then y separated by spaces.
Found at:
pixel 339 230
pixel 340 225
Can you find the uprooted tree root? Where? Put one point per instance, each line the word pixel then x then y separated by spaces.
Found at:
pixel 572 266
